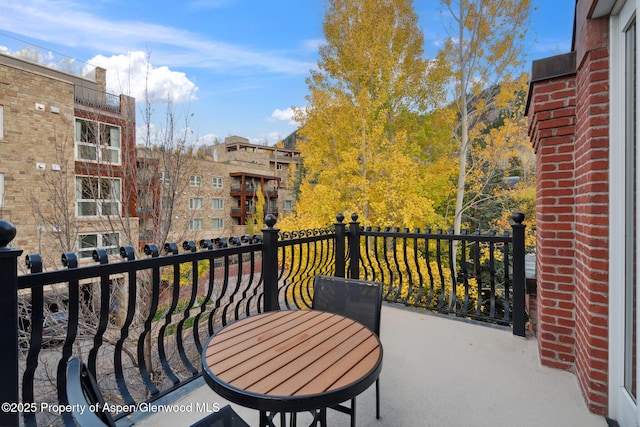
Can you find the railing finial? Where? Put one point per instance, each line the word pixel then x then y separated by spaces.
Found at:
pixel 7 233
pixel 354 217
pixel 518 217
pixel 340 217
pixel 270 220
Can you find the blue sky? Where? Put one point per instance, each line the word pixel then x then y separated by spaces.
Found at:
pixel 237 67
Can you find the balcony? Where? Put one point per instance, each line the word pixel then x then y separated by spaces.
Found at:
pixel 453 325
pixel 441 372
pixel 96 98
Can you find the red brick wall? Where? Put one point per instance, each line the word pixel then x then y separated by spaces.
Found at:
pixel 552 129
pixel 568 126
pixel 592 227
pixel 569 129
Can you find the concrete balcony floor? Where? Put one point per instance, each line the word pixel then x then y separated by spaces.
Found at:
pixel 440 372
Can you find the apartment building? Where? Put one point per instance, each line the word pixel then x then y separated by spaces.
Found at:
pixel 66 150
pixel 73 180
pixel 219 192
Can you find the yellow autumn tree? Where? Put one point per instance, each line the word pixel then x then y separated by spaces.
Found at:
pixel 361 149
pixel 484 47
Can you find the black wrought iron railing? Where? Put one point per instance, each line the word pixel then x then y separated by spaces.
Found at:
pixel 96 98
pixel 140 323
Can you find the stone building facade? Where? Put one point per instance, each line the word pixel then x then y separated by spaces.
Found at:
pixel 45 163
pixel 73 180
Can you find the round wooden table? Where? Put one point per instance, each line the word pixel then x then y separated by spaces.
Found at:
pixel 292 361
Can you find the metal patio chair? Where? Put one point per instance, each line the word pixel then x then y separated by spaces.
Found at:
pixel 83 392
pixel 356 299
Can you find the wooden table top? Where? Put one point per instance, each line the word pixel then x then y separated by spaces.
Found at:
pixel 292 360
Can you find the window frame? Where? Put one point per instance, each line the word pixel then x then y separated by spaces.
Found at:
pixel 213 203
pixel 164 177
pixel 112 249
pixel 195 203
pixel 217 182
pixel 100 156
pixel 193 222
pixel 98 201
pixel 195 181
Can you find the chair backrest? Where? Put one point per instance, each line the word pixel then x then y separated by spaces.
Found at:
pixel 360 300
pixel 83 393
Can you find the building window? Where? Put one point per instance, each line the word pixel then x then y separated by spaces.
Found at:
pixel 217 223
pixel 97 142
pixel 87 243
pixel 164 178
pixel 195 203
pixel 1 190
pixel 97 196
pixel 195 224
pixel 288 205
pixel 216 182
pixel 279 166
pixel 195 180
pixel 217 204
pixel 1 122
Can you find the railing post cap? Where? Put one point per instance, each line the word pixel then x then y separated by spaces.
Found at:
pixel 340 217
pixel 354 217
pixel 518 217
pixel 270 220
pixel 7 233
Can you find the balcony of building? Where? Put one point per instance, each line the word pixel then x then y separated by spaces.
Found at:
pixel 456 347
pixel 437 371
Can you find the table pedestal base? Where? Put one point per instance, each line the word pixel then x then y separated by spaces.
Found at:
pixel 267 418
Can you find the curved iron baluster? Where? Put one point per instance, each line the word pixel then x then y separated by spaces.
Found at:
pixel 464 274
pixel 507 281
pixel 492 281
pixel 388 264
pixel 376 251
pixel 247 288
pixel 235 290
pixel 126 252
pixel 170 248
pixel 407 299
pixel 34 264
pixel 203 305
pixel 205 244
pixel 454 278
pixel 70 261
pixel 149 250
pixel 218 302
pixel 416 261
pixel 429 270
pixel 478 275
pixel 284 280
pixel 100 255
pixel 396 263
pixel 188 245
pixel 225 287
pixel 439 243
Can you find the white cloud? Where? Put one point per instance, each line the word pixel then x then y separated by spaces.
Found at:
pixel 208 139
pixel 286 115
pixel 130 74
pixel 44 19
